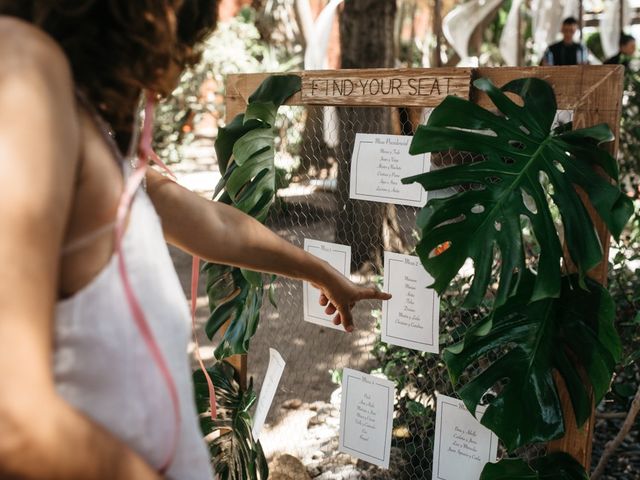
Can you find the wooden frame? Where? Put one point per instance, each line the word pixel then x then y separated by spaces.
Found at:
pixel 594 93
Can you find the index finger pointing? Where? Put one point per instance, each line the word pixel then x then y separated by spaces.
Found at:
pixel 374 293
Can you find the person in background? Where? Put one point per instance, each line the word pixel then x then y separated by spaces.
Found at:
pixel 566 51
pixel 626 52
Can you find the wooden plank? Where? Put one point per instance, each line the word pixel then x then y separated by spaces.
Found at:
pixel 571 84
pixel 235 104
pixel 418 87
pixel 601 102
pixel 424 87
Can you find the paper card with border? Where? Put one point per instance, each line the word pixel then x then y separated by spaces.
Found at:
pixel 268 391
pixel 366 417
pixel 339 257
pixel 462 445
pixel 378 165
pixel 410 319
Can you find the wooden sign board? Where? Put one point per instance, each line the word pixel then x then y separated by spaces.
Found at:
pixel 377 87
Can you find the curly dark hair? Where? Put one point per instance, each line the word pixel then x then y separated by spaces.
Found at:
pixel 117 48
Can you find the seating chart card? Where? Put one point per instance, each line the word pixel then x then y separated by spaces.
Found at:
pixel 462 446
pixel 366 417
pixel 410 319
pixel 268 391
pixel 339 257
pixel 379 163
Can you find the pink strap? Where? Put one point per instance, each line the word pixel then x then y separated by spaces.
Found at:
pixel 146 153
pixel 195 276
pixel 131 186
pixel 146 137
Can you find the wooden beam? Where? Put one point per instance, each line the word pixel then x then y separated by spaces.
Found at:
pixel 601 103
pixel 234 105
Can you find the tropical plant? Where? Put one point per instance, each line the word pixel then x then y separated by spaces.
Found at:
pixel 238 456
pixel 531 340
pixel 235 47
pixel 541 320
pixel 629 154
pixel 556 466
pixel 519 148
pixel 245 150
pixel 246 157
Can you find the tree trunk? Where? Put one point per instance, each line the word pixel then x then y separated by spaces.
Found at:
pixel 366 41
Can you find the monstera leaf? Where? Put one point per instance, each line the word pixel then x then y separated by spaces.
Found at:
pixel 556 466
pixel 245 151
pixel 524 164
pixel 236 454
pixel 523 343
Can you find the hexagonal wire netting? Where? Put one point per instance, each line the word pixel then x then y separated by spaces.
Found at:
pixel 304 418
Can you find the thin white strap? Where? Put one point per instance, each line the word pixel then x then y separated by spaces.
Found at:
pixel 85 240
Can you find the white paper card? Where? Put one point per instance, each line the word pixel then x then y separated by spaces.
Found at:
pixel 339 257
pixel 410 319
pixel 366 417
pixel 462 446
pixel 268 391
pixel 379 163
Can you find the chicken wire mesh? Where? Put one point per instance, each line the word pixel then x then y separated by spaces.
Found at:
pixel 316 144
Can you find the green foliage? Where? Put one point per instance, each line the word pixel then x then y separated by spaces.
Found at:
pixel 526 169
pixel 246 156
pixel 237 455
pixel 522 184
pixel 629 153
pixel 555 466
pixel 235 47
pixel 528 342
pixel 594 44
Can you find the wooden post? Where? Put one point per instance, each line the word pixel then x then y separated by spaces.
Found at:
pixel 437 31
pixel 602 104
pixel 595 96
pixel 581 18
pixel 234 105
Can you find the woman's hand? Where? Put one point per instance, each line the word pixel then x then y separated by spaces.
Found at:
pixel 339 295
pixel 200 227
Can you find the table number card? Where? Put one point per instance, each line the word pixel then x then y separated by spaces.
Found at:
pixel 462 446
pixel 366 417
pixel 379 163
pixel 339 257
pixel 268 391
pixel 410 319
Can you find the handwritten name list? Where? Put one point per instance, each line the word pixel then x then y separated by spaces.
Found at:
pixel 378 165
pixel 462 445
pixel 411 318
pixel 366 417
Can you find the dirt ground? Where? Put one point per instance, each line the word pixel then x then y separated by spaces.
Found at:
pixel 310 351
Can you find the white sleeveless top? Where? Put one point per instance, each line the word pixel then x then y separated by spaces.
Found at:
pixel 102 365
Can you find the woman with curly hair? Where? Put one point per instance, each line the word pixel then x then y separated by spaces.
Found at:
pixel 94 326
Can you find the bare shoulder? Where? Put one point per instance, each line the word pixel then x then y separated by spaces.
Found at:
pixel 34 71
pixel 23 42
pixel 36 101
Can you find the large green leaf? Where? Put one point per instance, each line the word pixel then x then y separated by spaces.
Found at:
pixel 524 164
pixel 522 344
pixel 555 466
pixel 246 154
pixel 236 454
